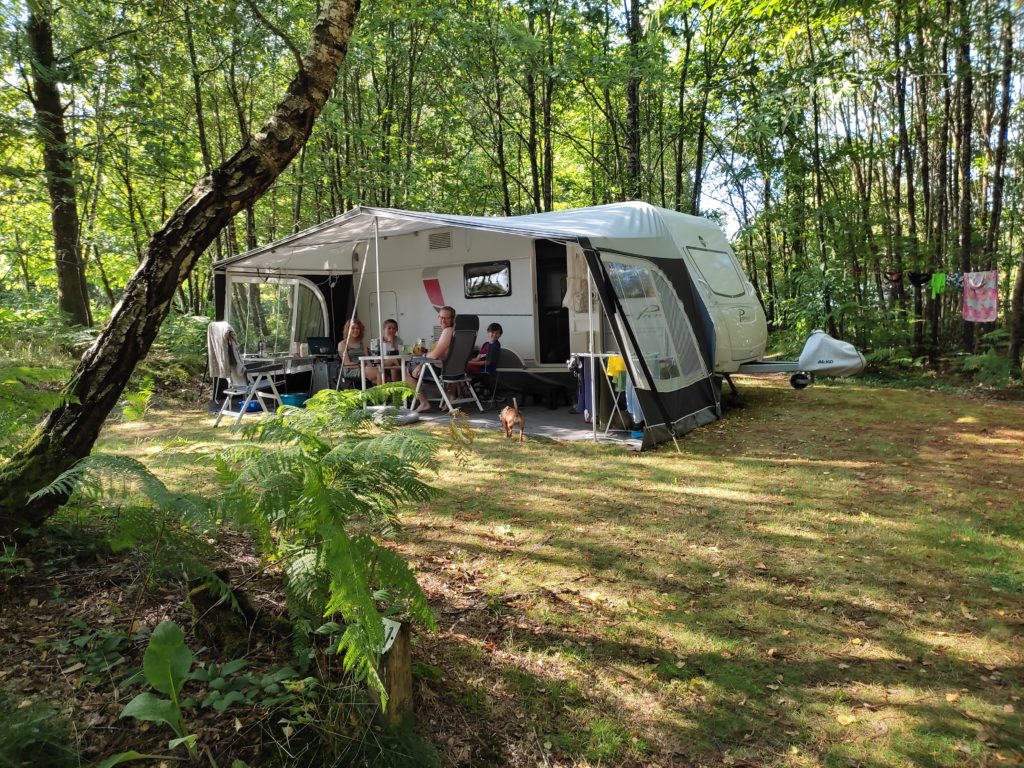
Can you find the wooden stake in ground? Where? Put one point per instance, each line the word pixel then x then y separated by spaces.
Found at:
pixel 69 432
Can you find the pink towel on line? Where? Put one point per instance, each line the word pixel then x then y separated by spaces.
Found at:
pixel 981 296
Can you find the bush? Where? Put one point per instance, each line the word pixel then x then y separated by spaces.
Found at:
pixel 318 488
pixel 989 368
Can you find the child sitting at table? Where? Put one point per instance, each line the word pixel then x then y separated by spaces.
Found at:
pixel 391 344
pixel 486 360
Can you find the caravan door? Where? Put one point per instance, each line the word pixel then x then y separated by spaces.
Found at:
pixel 552 316
pixel 576 302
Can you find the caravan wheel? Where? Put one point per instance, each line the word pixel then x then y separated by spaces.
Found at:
pixel 799 380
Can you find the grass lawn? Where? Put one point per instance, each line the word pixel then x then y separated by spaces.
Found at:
pixel 827 577
pixel 832 577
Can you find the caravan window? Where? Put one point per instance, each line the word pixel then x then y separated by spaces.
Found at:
pixel 488 279
pixel 274 311
pixel 656 316
pixel 720 271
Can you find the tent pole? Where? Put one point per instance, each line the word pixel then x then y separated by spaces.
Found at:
pixel 355 300
pixel 380 324
pixel 590 344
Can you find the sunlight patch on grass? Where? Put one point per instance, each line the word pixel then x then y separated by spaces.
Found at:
pixel 779 528
pixel 730 494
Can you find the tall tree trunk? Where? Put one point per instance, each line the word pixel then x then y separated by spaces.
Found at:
pixel 22 261
pixel 1017 320
pixel 819 214
pixel 70 431
pixel 912 262
pixel 684 70
pixel 531 139
pixel 499 123
pixel 633 182
pixel 966 127
pixel 547 115
pixel 998 171
pixel 769 267
pixel 197 93
pixel 72 292
pixel 698 159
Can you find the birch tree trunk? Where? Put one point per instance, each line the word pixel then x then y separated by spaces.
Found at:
pixel 69 432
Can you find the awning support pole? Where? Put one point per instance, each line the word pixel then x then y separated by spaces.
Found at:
pixel 590 349
pixel 376 251
pixel 355 303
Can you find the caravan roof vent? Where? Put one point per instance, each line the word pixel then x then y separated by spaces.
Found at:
pixel 440 240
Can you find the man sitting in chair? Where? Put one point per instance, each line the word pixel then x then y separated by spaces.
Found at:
pixel 439 354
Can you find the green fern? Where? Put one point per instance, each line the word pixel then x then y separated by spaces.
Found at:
pixel 317 487
pixel 171 529
pixel 24 397
pixel 136 404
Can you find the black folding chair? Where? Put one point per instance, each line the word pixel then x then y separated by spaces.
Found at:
pixel 452 372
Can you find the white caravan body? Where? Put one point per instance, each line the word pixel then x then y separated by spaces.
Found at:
pixel 528 273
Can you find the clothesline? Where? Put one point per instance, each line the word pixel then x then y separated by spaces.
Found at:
pixel 980 289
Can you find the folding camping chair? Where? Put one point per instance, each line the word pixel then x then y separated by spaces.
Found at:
pixel 243 381
pixel 508 362
pixel 452 372
pixel 257 376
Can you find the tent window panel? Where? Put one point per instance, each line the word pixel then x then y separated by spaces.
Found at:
pixel 309 318
pixel 274 313
pixel 488 279
pixel 655 314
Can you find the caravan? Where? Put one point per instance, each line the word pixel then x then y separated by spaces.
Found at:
pixel 662 288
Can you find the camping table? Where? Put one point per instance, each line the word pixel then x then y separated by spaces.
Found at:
pixel 401 359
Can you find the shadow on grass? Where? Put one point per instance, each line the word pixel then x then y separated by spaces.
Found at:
pixel 820 583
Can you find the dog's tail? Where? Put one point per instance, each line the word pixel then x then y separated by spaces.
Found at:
pixel 515 405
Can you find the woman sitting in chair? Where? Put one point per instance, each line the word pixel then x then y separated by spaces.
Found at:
pixel 438 354
pixel 350 348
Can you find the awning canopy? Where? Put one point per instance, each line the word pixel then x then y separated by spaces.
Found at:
pixel 632 227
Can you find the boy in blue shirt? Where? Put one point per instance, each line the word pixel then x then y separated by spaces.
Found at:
pixel 486 360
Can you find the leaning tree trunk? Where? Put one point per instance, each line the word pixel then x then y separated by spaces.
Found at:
pixel 69 432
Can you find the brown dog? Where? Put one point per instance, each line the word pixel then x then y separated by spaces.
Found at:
pixel 510 417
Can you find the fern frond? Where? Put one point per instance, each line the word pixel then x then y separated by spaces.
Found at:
pixel 391 573
pixel 306 583
pixel 89 473
pixel 316 486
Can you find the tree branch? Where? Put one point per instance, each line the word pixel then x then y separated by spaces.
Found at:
pixel 277 31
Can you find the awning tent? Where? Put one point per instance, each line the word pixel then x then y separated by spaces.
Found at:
pixel 633 250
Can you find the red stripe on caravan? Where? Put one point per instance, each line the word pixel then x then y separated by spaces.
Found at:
pixel 433 286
